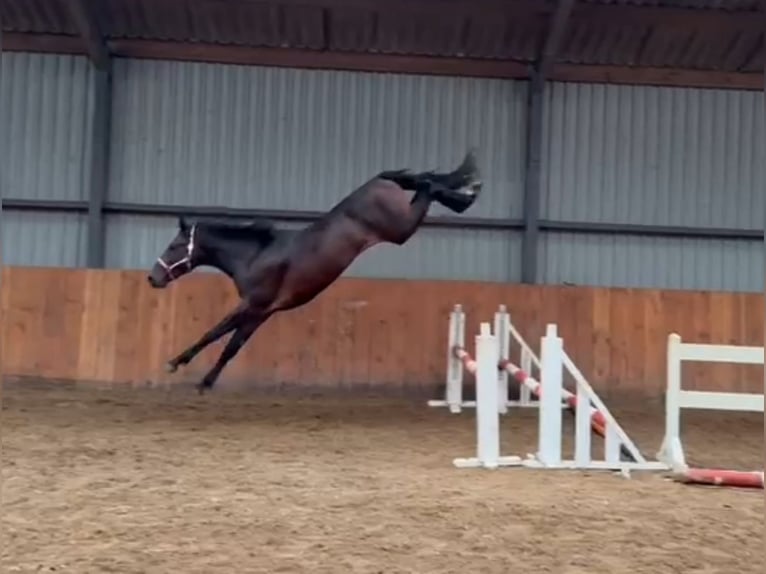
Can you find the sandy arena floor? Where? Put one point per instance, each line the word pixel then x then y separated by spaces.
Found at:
pixel 147 482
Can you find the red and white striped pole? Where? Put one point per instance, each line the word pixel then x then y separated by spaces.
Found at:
pixel 721 477
pixel 465 357
pixel 598 422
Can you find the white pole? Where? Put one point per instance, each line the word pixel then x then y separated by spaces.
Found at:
pixel 487 416
pixel 455 365
pixel 550 401
pixel 671 452
pixel 611 445
pixel 583 451
pixel 504 347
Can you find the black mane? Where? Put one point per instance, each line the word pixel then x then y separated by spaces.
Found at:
pixel 258 229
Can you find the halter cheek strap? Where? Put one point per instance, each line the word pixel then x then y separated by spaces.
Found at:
pixel 186 261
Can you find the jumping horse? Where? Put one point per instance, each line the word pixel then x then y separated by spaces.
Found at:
pixel 276 269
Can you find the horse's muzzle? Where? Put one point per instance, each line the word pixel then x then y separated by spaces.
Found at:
pixel 156 283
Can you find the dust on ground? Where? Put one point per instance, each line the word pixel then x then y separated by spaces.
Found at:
pixel 147 481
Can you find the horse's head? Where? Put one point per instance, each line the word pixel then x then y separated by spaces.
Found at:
pixel 179 257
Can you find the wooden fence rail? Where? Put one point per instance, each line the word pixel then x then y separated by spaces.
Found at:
pixel 109 326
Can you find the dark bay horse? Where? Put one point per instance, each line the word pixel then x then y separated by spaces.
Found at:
pixel 276 270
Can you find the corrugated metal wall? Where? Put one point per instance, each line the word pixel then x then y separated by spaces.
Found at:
pixel 479 255
pixel 252 137
pixel 670 263
pixel 661 156
pixel 666 156
pixel 46 137
pixel 204 134
pixel 46 239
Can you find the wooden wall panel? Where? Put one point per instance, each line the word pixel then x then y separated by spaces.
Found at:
pixel 110 326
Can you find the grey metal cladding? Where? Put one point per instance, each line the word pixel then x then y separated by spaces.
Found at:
pixel 654 155
pixel 259 137
pixel 43 239
pixel 460 254
pixel 652 262
pixel 46 117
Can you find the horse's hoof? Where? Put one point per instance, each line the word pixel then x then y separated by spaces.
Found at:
pixel 170 367
pixel 202 387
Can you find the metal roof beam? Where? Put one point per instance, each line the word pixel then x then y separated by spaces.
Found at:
pixel 42 43
pixel 440 66
pixel 753 55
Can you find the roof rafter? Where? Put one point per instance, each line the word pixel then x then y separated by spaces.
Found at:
pixel 668 17
pixel 664 16
pixel 553 37
pixel 81 12
pixel 753 55
pixel 467 67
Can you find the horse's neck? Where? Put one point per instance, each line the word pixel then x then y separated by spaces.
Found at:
pixel 231 262
pixel 233 256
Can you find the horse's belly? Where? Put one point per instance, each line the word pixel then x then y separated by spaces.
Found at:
pixel 322 271
pixel 312 274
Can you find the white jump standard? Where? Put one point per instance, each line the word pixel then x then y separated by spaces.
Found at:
pixel 529 388
pixel 484 370
pixel 456 367
pixel 672 452
pixel 552 361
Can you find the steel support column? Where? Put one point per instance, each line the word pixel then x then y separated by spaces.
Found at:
pixel 82 14
pixel 534 140
pixel 533 179
pixel 2 160
pixel 99 167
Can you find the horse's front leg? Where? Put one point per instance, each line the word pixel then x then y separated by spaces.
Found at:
pixel 230 322
pixel 239 338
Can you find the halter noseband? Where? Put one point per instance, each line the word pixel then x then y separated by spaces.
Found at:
pixel 187 260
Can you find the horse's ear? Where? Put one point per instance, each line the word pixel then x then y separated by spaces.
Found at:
pixel 183 225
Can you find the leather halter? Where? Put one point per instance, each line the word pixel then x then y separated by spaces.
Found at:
pixel 186 260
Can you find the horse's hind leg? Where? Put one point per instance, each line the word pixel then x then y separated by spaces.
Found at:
pixel 230 322
pixel 239 338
